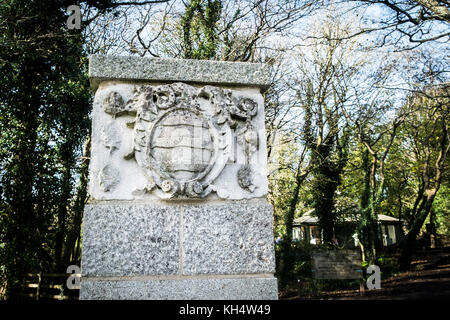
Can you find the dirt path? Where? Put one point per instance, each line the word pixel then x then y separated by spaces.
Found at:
pixel 426 284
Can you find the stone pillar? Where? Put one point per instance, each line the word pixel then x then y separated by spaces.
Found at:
pixel 178 180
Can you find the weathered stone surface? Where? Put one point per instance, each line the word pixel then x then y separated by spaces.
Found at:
pixel 234 238
pixel 177 141
pixel 103 68
pixel 110 136
pixel 144 239
pixel 130 239
pixel 109 177
pixel 248 288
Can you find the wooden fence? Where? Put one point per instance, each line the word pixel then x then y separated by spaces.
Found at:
pixel 37 286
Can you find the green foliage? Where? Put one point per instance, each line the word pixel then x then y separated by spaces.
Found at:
pixel 282 183
pixel 300 253
pixel 388 265
pixel 428 132
pixel 45 104
pixel 441 207
pixel 200 30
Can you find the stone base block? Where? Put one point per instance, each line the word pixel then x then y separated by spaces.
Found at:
pixel 183 251
pixel 250 288
pixel 141 239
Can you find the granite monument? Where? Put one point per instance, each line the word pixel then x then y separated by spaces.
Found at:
pixel 178 179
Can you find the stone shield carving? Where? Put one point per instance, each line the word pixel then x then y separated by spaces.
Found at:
pixel 183 135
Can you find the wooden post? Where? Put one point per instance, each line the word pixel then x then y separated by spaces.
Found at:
pixel 38 286
pixel 361 287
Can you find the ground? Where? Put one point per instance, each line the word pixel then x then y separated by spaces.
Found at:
pixel 429 279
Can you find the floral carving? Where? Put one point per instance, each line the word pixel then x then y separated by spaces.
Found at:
pixel 110 137
pixel 245 178
pixel 115 105
pixel 109 177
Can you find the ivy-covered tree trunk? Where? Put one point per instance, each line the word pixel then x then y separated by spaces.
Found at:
pixel 287 259
pixel 72 251
pixel 200 32
pixel 373 164
pixel 325 183
pixel 409 242
pixel 328 159
pixel 368 227
pixel 432 135
pixel 63 209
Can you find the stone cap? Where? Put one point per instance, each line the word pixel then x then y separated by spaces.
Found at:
pixel 134 68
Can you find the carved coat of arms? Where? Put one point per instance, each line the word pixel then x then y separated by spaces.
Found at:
pixel 183 136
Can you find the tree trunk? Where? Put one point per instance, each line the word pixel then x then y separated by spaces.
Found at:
pixel 74 237
pixel 368 228
pixel 408 245
pixel 62 217
pixel 287 261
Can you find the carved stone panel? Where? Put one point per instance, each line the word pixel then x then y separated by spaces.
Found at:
pixel 177 141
